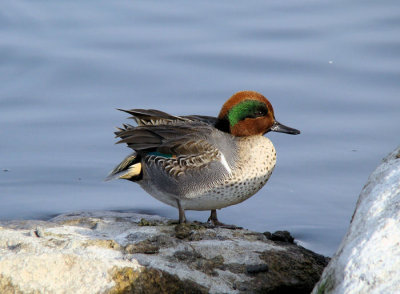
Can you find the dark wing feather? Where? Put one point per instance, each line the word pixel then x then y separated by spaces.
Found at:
pixel 145 117
pixel 168 139
pixel 211 120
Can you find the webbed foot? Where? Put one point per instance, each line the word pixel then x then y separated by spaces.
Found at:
pixel 213 219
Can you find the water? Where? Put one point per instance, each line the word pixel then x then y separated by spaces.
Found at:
pixel 330 68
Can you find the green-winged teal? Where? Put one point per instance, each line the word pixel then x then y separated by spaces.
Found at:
pixel 199 162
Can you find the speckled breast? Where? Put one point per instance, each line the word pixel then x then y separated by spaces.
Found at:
pixel 256 161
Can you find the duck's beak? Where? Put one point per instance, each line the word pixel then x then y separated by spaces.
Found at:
pixel 278 127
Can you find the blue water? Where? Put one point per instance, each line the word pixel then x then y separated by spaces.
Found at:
pixel 330 69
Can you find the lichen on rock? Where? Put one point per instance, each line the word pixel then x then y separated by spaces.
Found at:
pixel 151 281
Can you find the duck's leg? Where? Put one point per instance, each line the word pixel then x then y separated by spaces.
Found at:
pixel 182 217
pixel 213 218
pixel 215 222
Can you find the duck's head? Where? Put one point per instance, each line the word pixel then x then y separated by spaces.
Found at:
pixel 249 113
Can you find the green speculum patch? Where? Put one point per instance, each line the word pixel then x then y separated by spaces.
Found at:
pixel 246 109
pixel 155 153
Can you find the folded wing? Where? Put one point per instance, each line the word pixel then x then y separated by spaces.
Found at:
pixel 180 146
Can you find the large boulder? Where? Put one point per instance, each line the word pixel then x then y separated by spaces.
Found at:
pixel 117 252
pixel 368 259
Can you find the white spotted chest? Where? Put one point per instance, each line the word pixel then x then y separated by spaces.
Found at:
pixel 256 161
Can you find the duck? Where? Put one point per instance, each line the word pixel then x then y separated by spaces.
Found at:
pixel 197 162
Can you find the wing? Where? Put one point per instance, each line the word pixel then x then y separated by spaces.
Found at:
pixel 145 117
pixel 182 148
pixel 211 120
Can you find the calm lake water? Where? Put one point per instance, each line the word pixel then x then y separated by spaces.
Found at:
pixel 330 69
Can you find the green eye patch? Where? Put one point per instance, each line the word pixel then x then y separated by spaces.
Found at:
pixel 246 109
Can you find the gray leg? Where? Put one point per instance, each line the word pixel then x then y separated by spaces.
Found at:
pixel 182 217
pixel 213 217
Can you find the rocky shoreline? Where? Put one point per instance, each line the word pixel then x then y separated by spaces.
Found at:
pixel 120 252
pixel 116 252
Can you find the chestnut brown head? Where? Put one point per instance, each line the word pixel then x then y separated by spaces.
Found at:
pixel 248 113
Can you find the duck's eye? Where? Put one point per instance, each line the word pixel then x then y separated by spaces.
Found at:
pixel 259 112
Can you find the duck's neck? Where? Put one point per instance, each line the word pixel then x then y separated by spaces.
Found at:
pixel 223 125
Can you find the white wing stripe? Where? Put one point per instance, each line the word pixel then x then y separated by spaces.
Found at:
pixel 225 163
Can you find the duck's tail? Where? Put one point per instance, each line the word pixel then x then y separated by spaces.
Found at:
pixel 129 169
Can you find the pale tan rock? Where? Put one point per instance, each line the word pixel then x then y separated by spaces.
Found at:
pixel 113 252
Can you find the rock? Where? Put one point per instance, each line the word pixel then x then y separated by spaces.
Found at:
pixel 115 252
pixel 368 259
pixel 282 236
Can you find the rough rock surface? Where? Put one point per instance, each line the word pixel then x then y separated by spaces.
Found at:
pixel 114 252
pixel 368 259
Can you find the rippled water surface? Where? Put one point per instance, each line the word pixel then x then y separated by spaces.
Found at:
pixel 330 68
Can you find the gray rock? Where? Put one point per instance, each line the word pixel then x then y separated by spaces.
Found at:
pixel 368 259
pixel 115 252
